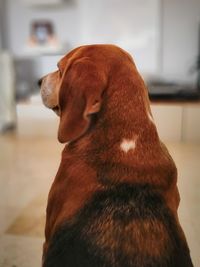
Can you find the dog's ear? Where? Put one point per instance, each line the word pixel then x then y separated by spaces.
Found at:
pixel 80 96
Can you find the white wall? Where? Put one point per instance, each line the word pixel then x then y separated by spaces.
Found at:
pixel 83 21
pixel 132 24
pixel 65 18
pixel 180 38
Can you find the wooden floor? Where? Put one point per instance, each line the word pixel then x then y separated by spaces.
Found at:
pixel 29 159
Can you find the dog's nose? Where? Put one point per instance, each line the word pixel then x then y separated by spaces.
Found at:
pixel 39 82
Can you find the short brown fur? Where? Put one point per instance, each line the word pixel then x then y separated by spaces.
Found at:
pixel 103 100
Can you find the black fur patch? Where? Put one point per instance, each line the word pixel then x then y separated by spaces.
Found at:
pixel 123 226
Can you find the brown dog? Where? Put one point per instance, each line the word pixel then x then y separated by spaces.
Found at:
pixel 114 199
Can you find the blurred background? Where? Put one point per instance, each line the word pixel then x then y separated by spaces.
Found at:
pixel 163 36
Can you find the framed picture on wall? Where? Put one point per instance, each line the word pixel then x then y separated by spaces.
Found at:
pixel 42 33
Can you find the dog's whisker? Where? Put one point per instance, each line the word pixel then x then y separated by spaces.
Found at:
pixel 150 118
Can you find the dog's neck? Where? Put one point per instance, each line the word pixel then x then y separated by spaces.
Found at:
pixel 123 147
pixel 123 142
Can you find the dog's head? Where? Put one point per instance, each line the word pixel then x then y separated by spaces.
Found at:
pixel 75 91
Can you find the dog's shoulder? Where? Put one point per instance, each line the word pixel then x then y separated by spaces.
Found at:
pixel 123 225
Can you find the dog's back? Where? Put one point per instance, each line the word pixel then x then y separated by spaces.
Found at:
pixel 124 225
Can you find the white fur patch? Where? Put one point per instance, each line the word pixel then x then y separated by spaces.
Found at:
pixel 127 145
